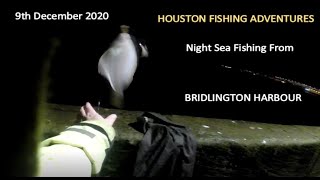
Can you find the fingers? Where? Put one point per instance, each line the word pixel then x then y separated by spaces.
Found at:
pixel 89 113
pixel 111 119
pixel 89 108
pixel 83 112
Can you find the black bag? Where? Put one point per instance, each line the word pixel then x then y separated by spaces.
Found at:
pixel 167 149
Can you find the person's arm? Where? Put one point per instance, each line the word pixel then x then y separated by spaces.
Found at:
pixel 78 151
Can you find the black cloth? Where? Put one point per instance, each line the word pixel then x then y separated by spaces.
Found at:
pixel 167 149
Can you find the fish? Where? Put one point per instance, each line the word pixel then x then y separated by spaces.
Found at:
pixel 119 63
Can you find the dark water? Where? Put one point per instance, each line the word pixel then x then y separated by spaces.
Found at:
pixel 162 79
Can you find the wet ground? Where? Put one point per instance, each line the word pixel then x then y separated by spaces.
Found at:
pixel 225 147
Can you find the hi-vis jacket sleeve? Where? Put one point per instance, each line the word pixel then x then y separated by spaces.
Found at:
pixel 78 151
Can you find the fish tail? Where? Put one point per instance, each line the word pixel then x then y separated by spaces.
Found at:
pixel 116 99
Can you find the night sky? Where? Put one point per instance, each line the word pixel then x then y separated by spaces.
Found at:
pixel 162 79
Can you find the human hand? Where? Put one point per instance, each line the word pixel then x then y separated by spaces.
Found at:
pixel 89 113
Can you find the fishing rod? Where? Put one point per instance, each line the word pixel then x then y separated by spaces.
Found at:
pixel 307 88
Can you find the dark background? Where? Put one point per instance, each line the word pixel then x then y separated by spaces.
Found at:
pixel 162 79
